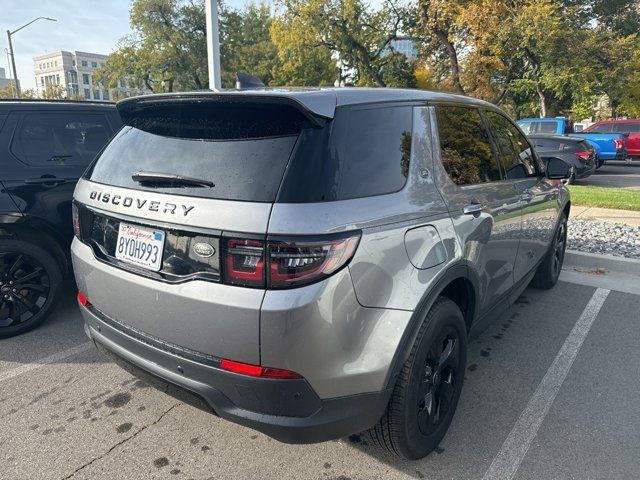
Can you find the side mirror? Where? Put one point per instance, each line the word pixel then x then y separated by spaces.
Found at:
pixel 557 169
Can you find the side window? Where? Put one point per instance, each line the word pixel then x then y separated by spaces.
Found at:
pixel 626 128
pixel 60 138
pixel 371 148
pixel 516 155
pixel 465 147
pixel 604 128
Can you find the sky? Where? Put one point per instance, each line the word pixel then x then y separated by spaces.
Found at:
pixel 86 25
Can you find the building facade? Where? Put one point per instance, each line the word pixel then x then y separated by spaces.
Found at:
pixel 71 74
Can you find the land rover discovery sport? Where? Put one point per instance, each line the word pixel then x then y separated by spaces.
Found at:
pixel 312 262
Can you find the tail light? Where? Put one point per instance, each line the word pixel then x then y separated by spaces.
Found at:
pixel 286 263
pixel 257 370
pixel 584 154
pixel 244 262
pixel 75 215
pixel 618 143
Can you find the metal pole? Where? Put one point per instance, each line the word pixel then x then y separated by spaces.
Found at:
pixel 13 66
pixel 213 44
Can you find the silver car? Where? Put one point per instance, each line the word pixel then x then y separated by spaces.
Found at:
pixel 312 262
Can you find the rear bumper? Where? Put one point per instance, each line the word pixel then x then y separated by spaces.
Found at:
pixel 287 410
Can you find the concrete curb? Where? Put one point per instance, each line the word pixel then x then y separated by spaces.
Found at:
pixel 573 258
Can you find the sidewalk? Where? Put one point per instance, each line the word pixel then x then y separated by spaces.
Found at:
pixel 628 217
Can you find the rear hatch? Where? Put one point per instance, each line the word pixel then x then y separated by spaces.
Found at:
pixel 165 205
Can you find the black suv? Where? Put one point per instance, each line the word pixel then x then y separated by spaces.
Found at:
pixel 45 147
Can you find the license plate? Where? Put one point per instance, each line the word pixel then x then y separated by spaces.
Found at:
pixel 140 246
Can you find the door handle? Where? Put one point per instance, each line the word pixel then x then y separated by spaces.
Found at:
pixel 473 209
pixel 44 180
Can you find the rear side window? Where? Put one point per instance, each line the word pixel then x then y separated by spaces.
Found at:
pixel 362 152
pixel 626 128
pixel 531 128
pixel 515 152
pixel 60 138
pixel 465 147
pixel 604 128
pixel 242 149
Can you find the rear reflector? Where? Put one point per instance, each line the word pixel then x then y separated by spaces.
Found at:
pixel 257 370
pixel 83 299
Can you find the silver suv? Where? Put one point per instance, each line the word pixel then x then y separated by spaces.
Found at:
pixel 312 262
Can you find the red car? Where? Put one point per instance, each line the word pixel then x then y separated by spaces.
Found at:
pixel 630 126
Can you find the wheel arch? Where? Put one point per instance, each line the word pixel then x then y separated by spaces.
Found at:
pixel 459 283
pixel 38 232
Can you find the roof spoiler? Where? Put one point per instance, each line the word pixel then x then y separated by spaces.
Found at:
pixel 314 108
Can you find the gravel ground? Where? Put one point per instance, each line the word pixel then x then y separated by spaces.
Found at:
pixel 609 238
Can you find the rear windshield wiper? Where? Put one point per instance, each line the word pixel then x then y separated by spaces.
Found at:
pixel 170 179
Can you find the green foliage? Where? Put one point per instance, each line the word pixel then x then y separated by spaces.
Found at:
pixel 358 35
pixel 534 57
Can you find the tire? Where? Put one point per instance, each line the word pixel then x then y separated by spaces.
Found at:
pixel 549 270
pixel 414 424
pixel 24 306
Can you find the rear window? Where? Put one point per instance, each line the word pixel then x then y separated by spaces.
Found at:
pixel 529 128
pixel 363 152
pixel 242 149
pixel 548 144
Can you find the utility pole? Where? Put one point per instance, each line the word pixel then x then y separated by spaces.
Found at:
pixel 13 59
pixel 213 44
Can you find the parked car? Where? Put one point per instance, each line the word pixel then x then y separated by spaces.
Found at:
pixel 608 146
pixel 312 262
pixel 46 145
pixel 628 126
pixel 575 151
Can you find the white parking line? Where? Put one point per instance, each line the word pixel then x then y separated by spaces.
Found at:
pixel 515 447
pixel 56 357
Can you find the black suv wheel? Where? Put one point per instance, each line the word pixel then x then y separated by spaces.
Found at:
pixel 29 283
pixel 549 270
pixel 426 394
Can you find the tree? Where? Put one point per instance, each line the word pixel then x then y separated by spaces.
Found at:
pixel 167 50
pixel 360 37
pixel 246 45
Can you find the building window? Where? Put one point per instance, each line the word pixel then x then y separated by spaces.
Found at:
pixel 84 63
pixel 105 95
pixel 94 64
pixel 58 78
pixel 73 62
pixel 42 81
pixel 87 94
pixel 85 78
pixel 96 94
pixel 55 63
pixel 73 76
pixel 122 83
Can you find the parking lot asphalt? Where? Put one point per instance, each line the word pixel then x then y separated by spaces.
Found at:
pixel 615 174
pixel 550 391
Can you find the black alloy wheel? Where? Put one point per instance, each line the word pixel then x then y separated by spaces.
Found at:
pixel 439 382
pixel 29 282
pixel 560 245
pixel 24 286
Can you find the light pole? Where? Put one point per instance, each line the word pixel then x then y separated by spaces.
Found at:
pixel 13 59
pixel 213 43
